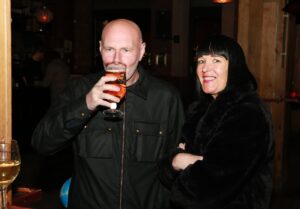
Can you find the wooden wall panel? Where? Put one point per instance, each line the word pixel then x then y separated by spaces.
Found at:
pixel 5 70
pixel 268 51
pixel 279 109
pixel 250 32
pixel 255 35
pixel 262 34
pixel 295 117
pixel 243 22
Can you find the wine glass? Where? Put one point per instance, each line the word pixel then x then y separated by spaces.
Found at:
pixel 118 71
pixel 10 162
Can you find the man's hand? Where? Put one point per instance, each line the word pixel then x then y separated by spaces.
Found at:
pixel 97 96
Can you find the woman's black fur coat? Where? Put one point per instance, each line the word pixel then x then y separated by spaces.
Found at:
pixel 234 135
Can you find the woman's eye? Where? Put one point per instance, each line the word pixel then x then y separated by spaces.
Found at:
pixel 200 61
pixel 216 60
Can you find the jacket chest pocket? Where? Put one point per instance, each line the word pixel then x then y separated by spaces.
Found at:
pixel 96 144
pixel 148 141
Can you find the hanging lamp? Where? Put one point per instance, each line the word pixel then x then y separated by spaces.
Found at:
pixel 44 15
pixel 221 1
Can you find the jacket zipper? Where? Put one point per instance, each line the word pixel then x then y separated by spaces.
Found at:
pixel 122 158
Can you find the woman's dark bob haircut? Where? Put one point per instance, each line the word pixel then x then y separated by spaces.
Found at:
pixel 239 75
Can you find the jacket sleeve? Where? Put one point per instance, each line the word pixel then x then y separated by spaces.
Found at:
pixel 65 118
pixel 237 150
pixel 166 173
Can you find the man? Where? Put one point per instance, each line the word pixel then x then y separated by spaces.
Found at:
pixel 115 162
pixel 32 67
pixel 57 74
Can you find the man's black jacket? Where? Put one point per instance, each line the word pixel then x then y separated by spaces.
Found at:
pixel 115 162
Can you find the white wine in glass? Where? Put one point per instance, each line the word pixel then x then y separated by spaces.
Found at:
pixel 10 162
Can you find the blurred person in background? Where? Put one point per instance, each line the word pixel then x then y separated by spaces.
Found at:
pixel 56 76
pixel 32 69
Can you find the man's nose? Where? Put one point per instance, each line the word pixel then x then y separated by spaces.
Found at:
pixel 117 57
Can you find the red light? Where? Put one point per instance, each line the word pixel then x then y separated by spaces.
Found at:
pixel 294 94
pixel 44 15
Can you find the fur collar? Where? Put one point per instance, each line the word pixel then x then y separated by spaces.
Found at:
pixel 205 116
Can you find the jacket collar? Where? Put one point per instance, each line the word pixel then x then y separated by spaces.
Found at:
pixel 141 87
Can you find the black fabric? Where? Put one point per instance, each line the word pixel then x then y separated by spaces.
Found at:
pixel 151 127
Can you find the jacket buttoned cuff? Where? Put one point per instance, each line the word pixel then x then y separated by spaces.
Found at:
pixel 167 173
pixel 77 115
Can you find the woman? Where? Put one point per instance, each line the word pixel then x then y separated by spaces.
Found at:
pixel 225 158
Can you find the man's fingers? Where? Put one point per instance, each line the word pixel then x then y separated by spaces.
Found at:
pixel 181 146
pixel 100 93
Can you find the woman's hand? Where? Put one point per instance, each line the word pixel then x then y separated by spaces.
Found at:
pixel 182 160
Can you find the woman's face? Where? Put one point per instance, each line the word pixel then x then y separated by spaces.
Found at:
pixel 212 72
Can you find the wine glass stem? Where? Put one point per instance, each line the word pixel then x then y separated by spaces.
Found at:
pixel 3 197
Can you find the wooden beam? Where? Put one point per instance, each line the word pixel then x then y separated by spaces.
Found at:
pixel 279 86
pixel 5 75
pixel 5 70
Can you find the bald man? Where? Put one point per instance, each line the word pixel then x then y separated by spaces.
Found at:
pixel 115 161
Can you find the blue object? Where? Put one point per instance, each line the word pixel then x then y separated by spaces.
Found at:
pixel 64 192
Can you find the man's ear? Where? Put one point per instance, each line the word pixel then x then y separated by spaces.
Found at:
pixel 100 46
pixel 143 50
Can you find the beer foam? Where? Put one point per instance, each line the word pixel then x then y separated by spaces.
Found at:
pixel 115 69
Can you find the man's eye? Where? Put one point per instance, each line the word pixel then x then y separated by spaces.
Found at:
pixel 108 49
pixel 216 60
